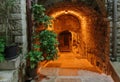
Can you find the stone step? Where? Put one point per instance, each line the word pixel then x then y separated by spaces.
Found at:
pixel 10 64
pixel 83 76
pixel 9 76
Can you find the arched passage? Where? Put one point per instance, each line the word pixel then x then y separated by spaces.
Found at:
pixel 91 31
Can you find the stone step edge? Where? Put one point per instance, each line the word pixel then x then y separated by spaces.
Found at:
pixel 7 76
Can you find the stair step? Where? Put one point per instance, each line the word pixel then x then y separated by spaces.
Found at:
pixel 8 76
pixel 10 64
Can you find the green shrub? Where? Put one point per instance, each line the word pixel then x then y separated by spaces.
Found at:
pixel 2 47
pixel 48 44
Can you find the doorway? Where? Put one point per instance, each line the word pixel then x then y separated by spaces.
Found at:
pixel 65 38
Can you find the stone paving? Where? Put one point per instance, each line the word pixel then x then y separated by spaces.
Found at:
pixel 71 75
pixel 69 69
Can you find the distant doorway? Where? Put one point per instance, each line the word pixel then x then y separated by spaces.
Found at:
pixel 65 38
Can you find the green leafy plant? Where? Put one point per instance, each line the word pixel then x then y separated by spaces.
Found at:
pixel 46 49
pixel 39 15
pixel 48 44
pixel 44 42
pixel 35 55
pixel 2 47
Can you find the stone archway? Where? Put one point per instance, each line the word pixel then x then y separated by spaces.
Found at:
pixel 92 34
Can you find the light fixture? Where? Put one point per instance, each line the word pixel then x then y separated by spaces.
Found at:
pixel 66 11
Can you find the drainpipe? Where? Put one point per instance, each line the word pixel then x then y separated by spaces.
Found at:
pixel 114 31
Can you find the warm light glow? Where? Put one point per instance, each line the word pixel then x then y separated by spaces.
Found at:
pixel 70 61
pixel 81 59
pixel 56 14
pixel 66 12
pixel 79 15
pixel 84 28
pixel 81 36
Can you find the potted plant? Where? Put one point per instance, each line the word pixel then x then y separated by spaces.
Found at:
pixel 45 49
pixel 35 56
pixel 11 49
pixel 37 53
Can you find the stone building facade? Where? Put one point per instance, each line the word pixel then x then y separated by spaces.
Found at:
pixel 19 32
pixel 15 68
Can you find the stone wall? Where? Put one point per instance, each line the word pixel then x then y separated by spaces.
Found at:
pixel 118 29
pixel 18 23
pixel 18 16
pixel 110 17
